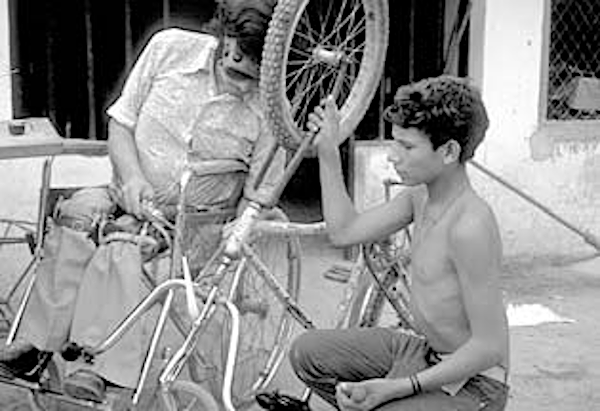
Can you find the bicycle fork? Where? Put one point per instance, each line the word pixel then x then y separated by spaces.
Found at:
pixel 180 357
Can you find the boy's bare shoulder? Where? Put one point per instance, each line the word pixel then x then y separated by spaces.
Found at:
pixel 474 221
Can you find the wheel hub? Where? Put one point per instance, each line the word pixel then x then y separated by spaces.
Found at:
pixel 327 56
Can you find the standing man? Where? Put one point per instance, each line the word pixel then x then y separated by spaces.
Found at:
pixel 459 356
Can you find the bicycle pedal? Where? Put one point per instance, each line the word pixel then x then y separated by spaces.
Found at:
pixel 274 401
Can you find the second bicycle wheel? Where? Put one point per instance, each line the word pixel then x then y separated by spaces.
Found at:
pixel 388 261
pixel 317 48
pixel 265 325
pixel 187 396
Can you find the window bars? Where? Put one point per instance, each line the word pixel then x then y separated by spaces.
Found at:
pixel 574 60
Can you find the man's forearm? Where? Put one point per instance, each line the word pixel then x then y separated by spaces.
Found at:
pixel 123 152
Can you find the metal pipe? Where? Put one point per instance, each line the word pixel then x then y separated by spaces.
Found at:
pixel 148 359
pixel 141 308
pixel 587 237
pixel 37 254
pixel 234 337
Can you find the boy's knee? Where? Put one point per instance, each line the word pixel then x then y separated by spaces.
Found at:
pixel 303 353
pixel 296 354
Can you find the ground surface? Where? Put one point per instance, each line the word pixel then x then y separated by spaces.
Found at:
pixel 555 365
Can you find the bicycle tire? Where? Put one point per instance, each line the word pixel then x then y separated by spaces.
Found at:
pixel 291 42
pixel 388 261
pixel 265 324
pixel 186 395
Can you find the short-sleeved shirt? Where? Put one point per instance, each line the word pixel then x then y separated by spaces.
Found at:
pixel 171 103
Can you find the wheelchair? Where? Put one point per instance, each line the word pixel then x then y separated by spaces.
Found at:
pixel 264 325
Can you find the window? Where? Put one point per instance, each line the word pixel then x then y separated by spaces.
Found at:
pixel 573 61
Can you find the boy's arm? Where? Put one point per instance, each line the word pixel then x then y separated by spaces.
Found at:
pixel 345 225
pixel 476 249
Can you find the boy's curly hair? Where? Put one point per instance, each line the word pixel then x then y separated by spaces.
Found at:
pixel 245 20
pixel 444 108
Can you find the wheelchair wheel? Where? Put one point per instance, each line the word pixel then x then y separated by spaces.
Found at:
pixel 306 45
pixel 265 325
pixel 17 243
pixel 40 399
pixel 185 395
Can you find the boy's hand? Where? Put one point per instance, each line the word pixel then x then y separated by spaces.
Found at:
pixel 368 394
pixel 325 123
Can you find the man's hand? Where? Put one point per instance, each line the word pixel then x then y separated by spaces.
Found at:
pixel 135 191
pixel 368 394
pixel 325 122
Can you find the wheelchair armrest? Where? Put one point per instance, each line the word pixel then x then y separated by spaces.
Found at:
pixel 89 148
pixel 40 139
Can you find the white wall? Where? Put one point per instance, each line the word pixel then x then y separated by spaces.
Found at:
pixel 568 181
pixel 5 69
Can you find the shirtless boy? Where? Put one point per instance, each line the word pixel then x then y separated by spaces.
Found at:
pixel 458 358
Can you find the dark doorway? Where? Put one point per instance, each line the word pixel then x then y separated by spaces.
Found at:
pixel 72 56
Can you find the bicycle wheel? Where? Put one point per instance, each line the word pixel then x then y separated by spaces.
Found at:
pixel 388 262
pixel 187 396
pixel 317 48
pixel 265 325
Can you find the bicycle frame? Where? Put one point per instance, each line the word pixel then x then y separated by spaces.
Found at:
pixel 232 251
pixel 215 296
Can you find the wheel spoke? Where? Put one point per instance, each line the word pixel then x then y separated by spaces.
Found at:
pixel 337 27
pixel 351 35
pixel 301 52
pixel 311 33
pixel 309 93
pixel 295 74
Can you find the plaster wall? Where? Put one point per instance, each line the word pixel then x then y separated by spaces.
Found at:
pixel 5 67
pixel 567 180
pixel 506 49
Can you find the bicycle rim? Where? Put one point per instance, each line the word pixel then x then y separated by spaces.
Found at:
pixel 388 260
pixel 265 325
pixel 187 396
pixel 306 45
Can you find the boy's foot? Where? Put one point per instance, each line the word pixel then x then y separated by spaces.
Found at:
pixel 23 360
pixel 85 385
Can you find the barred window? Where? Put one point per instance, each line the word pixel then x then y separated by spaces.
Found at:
pixel 573 88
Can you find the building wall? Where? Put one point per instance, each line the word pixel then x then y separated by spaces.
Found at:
pixel 5 68
pixel 506 49
pixel 508 40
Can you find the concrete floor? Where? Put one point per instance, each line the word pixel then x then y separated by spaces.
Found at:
pixel 555 364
